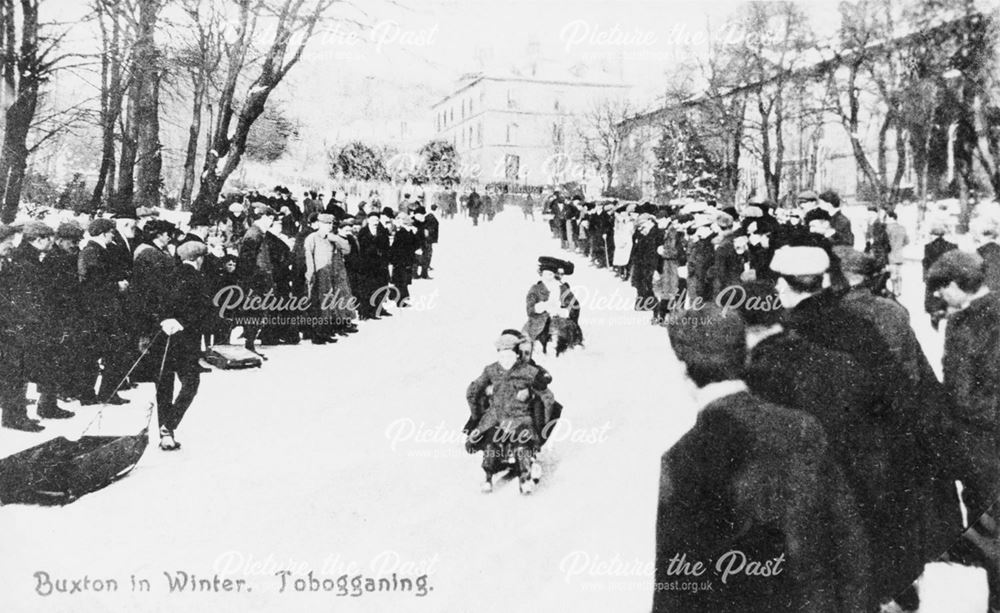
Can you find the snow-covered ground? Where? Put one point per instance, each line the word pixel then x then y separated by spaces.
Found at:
pixel 347 460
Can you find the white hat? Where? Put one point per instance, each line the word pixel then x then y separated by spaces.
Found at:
pixel 800 261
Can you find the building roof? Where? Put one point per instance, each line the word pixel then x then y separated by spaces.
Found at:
pixel 469 80
pixel 819 61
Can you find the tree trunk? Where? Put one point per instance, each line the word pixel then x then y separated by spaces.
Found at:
pixel 126 165
pixel 112 96
pixel 149 159
pixel 194 131
pixel 21 113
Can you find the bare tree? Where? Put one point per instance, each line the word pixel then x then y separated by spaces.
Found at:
pixel 603 131
pixel 28 58
pixel 149 159
pixel 199 59
pixel 777 34
pixel 117 24
pixel 295 22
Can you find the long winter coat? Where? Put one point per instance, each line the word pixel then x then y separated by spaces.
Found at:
pixel 728 265
pixel 99 295
pixel 32 328
pixel 760 479
pixel 538 327
pixel 403 255
pixel 326 275
pixel 254 263
pixel 825 320
pixel 506 410
pixel 972 382
pixel 908 511
pixel 645 259
pixel 624 229
pixel 990 252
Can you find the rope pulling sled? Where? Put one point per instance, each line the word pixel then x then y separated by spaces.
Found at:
pixel 60 470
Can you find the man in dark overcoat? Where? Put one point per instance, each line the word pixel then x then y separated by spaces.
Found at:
pixel 61 267
pixel 402 254
pixel 938 246
pixel 35 329
pixel 255 267
pixel 972 381
pixel 752 481
pixel 818 314
pixel 101 297
pixel 646 260
pixel 179 310
pixel 372 265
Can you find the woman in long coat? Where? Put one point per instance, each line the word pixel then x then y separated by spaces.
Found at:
pixel 553 317
pixel 624 229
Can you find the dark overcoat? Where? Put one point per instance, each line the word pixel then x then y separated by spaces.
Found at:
pixel 972 382
pixel 759 479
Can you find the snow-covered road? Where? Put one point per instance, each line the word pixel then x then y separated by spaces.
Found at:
pixel 347 460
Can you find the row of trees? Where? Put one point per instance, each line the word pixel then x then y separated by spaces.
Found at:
pixel 223 58
pixel 436 161
pixel 906 83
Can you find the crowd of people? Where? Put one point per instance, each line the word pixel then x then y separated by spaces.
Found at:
pixel 825 446
pixel 92 307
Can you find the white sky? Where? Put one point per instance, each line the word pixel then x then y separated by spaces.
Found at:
pixel 413 51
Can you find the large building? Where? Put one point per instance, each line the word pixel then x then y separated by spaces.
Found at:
pixel 519 129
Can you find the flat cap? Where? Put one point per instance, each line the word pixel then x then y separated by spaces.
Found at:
pixel 808 195
pixel 852 260
pixel 191 250
pixel 260 210
pixel 36 229
pixel 100 226
pixel 145 211
pixel 797 261
pixel 708 334
pixel 7 231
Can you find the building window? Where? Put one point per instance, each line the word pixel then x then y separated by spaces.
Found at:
pixel 463 109
pixel 470 107
pixel 479 134
pixel 512 134
pixel 555 105
pixel 557 134
pixel 511 102
pixel 451 114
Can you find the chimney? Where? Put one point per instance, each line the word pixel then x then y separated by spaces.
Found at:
pixel 534 52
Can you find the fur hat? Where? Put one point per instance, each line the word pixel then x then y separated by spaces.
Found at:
pixel 555 265
pixel 709 335
pixel 964 268
pixel 70 230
